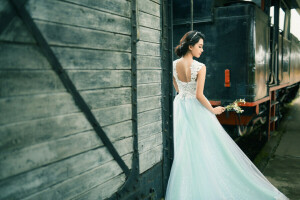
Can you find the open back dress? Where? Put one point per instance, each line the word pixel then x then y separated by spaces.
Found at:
pixel 207 163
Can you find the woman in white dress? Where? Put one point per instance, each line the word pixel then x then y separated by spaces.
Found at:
pixel 207 163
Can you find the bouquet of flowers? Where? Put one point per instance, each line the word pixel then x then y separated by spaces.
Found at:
pixel 234 106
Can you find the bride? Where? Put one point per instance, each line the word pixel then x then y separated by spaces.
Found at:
pixel 207 163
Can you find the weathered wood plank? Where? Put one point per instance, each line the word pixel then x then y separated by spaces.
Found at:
pixel 105 190
pixel 156 1
pixel 149 21
pixel 150 35
pixel 20 135
pixel 148 62
pixel 150 142
pixel 150 158
pixel 14 83
pixel 16 31
pixel 71 58
pixel 147 48
pixel 150 129
pixel 149 103
pixel 96 79
pixel 113 115
pixel 107 97
pixel 119 7
pixel 148 76
pixel 27 133
pixel 147 90
pixel 64 35
pixel 16 56
pixel 76 15
pixel 149 117
pixel 149 7
pixel 18 186
pixel 15 162
pixel 24 108
pixel 70 188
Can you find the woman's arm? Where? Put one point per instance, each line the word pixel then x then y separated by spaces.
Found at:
pixel 175 85
pixel 199 90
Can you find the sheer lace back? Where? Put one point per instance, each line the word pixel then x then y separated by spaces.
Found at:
pixel 187 89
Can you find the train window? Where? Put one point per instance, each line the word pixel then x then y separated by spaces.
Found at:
pixel 272 15
pixel 295 23
pixel 281 18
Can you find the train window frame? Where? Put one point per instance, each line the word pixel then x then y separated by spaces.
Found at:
pixel 283 20
pixel 295 17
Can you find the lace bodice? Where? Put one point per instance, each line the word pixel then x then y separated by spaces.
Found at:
pixel 187 89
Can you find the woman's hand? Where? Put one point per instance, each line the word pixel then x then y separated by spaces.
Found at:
pixel 218 110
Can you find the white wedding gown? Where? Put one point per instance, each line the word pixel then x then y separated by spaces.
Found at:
pixel 208 164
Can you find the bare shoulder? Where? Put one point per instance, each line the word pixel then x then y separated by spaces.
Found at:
pixel 197 63
pixel 200 66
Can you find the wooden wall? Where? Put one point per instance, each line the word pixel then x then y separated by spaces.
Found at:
pixel 149 84
pixel 48 150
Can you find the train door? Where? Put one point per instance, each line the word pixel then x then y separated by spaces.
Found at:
pixel 280 44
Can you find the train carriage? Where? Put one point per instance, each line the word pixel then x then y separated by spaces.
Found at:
pixel 86 88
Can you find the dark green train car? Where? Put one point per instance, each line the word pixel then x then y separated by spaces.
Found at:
pixel 261 59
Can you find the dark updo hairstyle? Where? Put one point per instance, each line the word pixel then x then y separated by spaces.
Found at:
pixel 190 38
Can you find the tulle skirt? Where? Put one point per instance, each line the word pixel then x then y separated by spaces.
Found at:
pixel 207 163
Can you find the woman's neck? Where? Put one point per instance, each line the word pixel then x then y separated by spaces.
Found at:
pixel 188 57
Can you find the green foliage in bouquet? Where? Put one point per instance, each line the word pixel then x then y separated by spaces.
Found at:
pixel 234 106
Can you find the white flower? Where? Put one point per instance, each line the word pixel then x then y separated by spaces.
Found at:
pixel 234 106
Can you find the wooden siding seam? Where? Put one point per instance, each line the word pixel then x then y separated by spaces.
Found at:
pixel 36 95
pixel 150 27
pixel 24 121
pixel 149 97
pixel 145 84
pixel 86 48
pixel 25 70
pixel 143 11
pixel 157 2
pixel 82 27
pixel 88 90
pixel 92 8
pixel 17 42
pixel 150 69
pixel 149 41
pixel 150 123
pixel 152 109
pixel 149 56
pixel 38 119
pixel 150 82
pixel 140 54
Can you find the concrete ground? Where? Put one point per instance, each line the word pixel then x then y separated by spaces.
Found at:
pixel 283 168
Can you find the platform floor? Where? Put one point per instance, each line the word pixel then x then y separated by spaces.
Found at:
pixel 283 169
